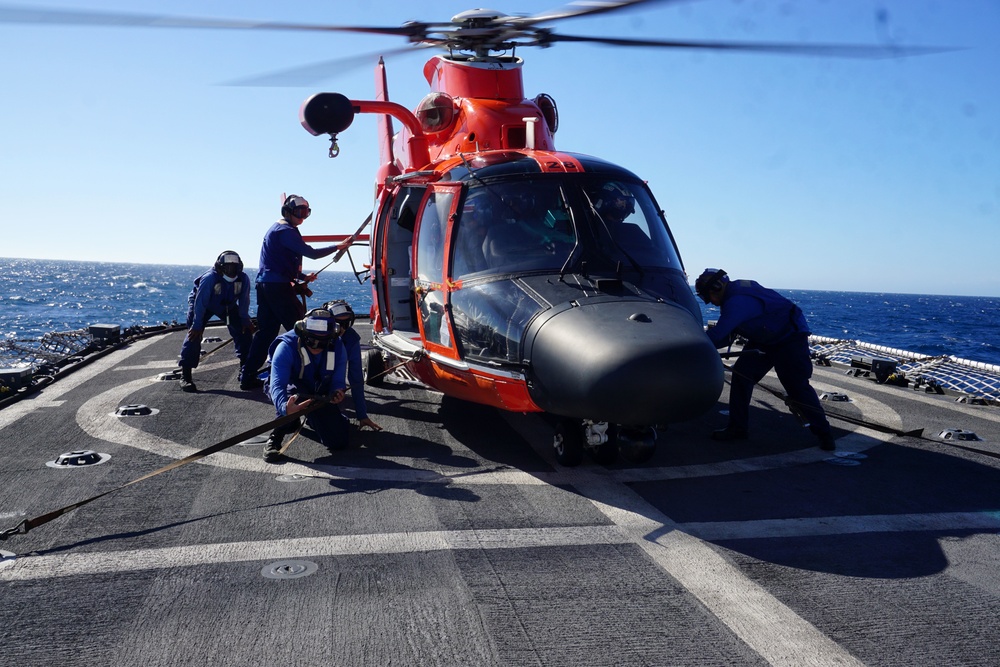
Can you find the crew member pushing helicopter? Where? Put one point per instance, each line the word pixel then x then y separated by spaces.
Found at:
pixel 778 338
pixel 222 291
pixel 280 282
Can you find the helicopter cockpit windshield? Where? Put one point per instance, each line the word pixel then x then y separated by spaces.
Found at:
pixel 513 227
pixel 508 230
pixel 553 224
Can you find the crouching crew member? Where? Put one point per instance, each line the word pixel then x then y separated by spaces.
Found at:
pixel 223 291
pixel 778 338
pixel 308 363
pixel 344 314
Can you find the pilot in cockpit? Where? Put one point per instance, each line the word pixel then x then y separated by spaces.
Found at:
pixel 614 202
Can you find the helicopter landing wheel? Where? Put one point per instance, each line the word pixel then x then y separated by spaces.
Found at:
pixel 374 366
pixel 568 442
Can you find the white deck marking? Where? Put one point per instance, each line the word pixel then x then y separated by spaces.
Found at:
pixel 766 625
pixel 26 568
pixel 761 621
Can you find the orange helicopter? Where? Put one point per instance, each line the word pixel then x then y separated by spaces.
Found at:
pixel 505 271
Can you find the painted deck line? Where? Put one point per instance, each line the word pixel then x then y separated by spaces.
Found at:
pixel 761 621
pixel 75 564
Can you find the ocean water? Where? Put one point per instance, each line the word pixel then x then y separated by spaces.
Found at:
pixel 39 296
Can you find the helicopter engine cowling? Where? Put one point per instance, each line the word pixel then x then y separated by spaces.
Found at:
pixel 628 362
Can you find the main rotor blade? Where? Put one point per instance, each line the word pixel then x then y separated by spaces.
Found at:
pixel 306 75
pixel 579 8
pixel 834 50
pixel 52 16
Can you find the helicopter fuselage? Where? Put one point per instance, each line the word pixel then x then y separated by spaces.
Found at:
pixel 512 274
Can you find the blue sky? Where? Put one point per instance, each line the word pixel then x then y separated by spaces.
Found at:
pixel 800 172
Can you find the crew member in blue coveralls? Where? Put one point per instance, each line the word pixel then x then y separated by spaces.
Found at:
pixel 344 314
pixel 306 363
pixel 223 291
pixel 280 282
pixel 778 338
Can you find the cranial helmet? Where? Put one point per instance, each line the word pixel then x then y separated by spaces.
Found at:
pixel 614 199
pixel 294 206
pixel 229 264
pixel 710 280
pixel 342 312
pixel 317 328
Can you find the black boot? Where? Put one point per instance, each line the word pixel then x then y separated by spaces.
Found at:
pixel 187 384
pixel 272 448
pixel 248 380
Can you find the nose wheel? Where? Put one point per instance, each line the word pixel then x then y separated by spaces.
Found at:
pixel 602 441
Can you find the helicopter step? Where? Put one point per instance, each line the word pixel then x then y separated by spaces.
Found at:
pixel 604 442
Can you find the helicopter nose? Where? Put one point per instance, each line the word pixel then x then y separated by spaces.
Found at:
pixel 634 363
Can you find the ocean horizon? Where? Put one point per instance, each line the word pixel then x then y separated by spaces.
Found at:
pixel 41 296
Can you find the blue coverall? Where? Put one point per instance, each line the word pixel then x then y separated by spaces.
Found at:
pixel 229 301
pixel 277 303
pixel 778 338
pixel 296 370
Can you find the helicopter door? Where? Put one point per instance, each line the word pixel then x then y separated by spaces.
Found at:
pixel 429 287
pixel 394 249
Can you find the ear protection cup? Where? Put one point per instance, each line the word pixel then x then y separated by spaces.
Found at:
pixel 711 280
pixel 715 283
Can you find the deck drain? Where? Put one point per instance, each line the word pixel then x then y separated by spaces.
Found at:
pixel 79 459
pixel 958 434
pixel 211 339
pixel 835 397
pixel 289 569
pixel 170 375
pixel 135 410
pixel 6 558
